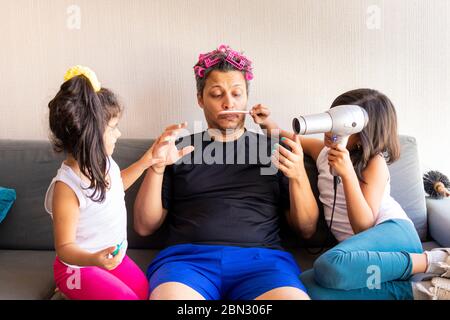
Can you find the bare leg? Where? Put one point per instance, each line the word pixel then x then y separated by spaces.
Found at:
pixel 284 293
pixel 175 291
pixel 419 262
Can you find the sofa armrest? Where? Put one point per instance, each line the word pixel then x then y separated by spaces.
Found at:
pixel 439 220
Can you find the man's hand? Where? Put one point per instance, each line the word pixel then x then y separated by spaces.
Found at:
pixel 289 162
pixel 147 160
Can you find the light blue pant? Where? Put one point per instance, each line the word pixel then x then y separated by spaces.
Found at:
pixel 374 264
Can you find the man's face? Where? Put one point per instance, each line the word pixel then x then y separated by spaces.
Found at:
pixel 224 91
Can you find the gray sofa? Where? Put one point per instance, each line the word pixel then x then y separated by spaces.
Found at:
pixel 26 236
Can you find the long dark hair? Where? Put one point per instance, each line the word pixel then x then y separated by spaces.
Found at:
pixel 78 119
pixel 380 136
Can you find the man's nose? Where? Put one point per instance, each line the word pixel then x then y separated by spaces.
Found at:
pixel 227 102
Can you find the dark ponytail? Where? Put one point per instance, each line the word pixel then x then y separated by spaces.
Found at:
pixel 78 118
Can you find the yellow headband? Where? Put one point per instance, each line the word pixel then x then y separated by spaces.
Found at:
pixel 88 73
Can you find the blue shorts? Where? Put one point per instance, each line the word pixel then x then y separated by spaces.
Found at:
pixel 225 272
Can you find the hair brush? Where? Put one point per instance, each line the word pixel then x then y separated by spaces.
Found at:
pixel 436 184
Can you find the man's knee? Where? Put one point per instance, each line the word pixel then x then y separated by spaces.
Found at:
pixel 284 293
pixel 175 291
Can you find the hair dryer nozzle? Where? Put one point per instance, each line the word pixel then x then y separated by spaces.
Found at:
pixel 341 120
pixel 296 126
pixel 310 124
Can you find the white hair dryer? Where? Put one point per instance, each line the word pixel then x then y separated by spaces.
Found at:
pixel 342 121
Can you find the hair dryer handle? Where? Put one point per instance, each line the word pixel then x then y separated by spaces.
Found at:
pixel 342 141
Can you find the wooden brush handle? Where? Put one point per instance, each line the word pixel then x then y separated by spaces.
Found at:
pixel 441 189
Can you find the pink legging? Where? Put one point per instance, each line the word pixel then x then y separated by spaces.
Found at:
pixel 125 282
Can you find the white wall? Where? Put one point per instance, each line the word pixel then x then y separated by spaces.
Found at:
pixel 305 52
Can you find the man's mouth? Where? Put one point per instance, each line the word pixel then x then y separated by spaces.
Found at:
pixel 229 116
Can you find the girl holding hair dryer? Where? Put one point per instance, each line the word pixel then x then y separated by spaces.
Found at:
pixel 375 235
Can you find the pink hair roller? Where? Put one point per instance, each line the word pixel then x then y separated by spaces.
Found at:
pixel 200 71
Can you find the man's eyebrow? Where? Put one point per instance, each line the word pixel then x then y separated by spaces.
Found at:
pixel 234 85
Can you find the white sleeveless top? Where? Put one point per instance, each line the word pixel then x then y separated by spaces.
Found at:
pixel 341 228
pixel 100 225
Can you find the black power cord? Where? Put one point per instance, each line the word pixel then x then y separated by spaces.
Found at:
pixel 336 181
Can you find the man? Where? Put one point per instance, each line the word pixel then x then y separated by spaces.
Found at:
pixel 223 199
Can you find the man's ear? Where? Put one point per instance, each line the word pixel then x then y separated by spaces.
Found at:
pixel 200 101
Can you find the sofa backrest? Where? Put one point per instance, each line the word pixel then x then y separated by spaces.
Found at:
pixel 407 185
pixel 29 166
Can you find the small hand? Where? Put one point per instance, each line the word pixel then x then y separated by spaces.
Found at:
pixel 260 114
pixel 339 160
pixel 289 162
pixel 104 259
pixel 148 160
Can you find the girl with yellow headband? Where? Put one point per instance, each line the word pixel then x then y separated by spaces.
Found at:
pixel 86 197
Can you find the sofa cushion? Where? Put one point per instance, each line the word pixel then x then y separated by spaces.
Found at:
pixel 27 167
pixel 439 220
pixel 26 275
pixel 407 185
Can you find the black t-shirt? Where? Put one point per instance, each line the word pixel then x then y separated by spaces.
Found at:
pixel 225 193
